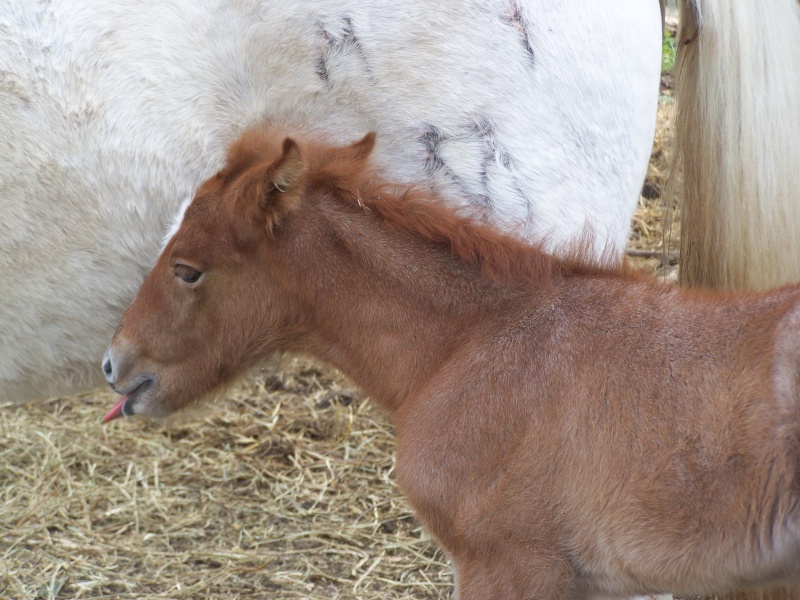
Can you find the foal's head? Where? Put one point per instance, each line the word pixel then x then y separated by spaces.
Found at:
pixel 217 301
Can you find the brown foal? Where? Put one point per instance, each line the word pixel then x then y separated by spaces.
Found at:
pixel 564 430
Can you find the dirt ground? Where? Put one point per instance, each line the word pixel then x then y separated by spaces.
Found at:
pixel 283 490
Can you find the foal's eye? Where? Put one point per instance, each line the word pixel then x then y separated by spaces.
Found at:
pixel 186 274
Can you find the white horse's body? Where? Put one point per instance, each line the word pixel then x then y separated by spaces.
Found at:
pixel 540 115
pixel 112 112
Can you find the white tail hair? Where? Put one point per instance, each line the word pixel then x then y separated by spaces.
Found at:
pixel 738 142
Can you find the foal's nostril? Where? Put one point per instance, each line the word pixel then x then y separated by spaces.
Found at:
pixel 108 368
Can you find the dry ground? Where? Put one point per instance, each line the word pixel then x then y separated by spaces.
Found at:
pixel 285 490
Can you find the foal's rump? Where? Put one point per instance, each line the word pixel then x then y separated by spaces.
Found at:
pixel 540 117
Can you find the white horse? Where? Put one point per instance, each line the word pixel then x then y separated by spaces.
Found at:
pixel 540 113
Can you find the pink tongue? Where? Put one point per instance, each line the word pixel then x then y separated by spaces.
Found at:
pixel 116 410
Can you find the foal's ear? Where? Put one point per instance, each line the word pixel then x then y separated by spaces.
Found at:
pixel 362 148
pixel 269 190
pixel 347 163
pixel 356 154
pixel 289 168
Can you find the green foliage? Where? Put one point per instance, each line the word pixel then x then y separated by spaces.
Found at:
pixel 668 47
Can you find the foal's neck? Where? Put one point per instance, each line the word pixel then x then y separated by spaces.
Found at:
pixel 389 306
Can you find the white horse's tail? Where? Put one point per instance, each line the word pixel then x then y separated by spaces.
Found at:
pixel 738 142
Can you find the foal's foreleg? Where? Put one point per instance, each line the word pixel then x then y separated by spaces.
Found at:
pixel 512 576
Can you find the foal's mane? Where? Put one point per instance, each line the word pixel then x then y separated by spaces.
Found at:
pixel 346 173
pixel 498 255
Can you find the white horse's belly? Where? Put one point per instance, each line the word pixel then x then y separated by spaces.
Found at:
pixel 540 117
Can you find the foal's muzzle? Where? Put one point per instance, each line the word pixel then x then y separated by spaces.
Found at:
pixel 116 370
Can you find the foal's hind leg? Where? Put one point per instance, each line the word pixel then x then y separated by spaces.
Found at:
pixel 512 576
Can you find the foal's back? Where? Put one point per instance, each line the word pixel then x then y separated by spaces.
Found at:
pixel 650 430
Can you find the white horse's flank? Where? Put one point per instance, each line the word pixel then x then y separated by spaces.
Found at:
pixel 113 111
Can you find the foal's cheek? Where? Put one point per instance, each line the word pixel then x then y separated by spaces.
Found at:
pixel 186 333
